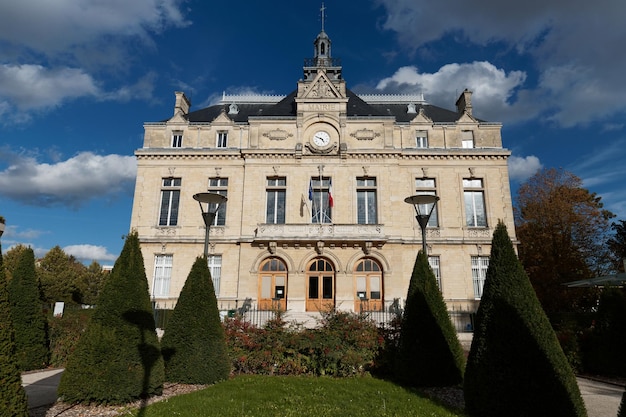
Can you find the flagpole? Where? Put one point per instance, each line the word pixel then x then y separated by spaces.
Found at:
pixel 321 168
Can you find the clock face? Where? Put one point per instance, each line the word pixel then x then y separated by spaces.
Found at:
pixel 321 138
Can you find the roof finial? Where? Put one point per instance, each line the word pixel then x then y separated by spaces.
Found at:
pixel 322 10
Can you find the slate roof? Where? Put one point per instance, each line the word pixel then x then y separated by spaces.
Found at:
pixel 286 108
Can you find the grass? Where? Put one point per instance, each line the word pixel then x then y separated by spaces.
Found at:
pixel 262 396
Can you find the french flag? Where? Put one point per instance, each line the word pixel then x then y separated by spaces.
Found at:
pixel 330 193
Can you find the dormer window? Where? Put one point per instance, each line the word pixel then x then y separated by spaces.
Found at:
pixel 467 139
pixel 177 139
pixel 421 139
pixel 233 109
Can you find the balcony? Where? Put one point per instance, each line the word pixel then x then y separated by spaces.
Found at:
pixel 360 235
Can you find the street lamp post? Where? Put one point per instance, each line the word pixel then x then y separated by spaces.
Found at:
pixel 208 215
pixel 424 205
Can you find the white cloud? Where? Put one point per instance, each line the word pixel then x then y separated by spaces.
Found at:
pixel 522 168
pixel 63 26
pixel 492 87
pixel 571 44
pixel 89 253
pixel 71 183
pixel 36 87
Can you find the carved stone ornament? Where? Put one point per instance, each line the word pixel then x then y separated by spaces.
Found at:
pixel 324 151
pixel 277 134
pixel 365 134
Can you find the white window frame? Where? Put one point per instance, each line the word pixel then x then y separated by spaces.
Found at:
pixel 276 188
pixel 467 139
pixel 162 275
pixel 219 185
pixel 428 186
pixel 421 139
pixel 473 198
pixel 221 139
pixel 177 139
pixel 214 263
pixel 480 264
pixel 366 187
pixel 170 199
pixel 435 265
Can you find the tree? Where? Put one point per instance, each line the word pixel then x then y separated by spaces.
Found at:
pixel 429 351
pixel 617 245
pixel 621 412
pixel 11 259
pixel 93 280
pixel 12 395
pixel 60 276
pixel 562 229
pixel 194 343
pixel 120 345
pixel 31 337
pixel 515 365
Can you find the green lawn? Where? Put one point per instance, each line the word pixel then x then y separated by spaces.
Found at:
pixel 299 396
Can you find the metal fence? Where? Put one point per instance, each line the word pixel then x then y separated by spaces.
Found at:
pixel 462 320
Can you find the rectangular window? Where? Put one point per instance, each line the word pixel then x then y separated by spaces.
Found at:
pixel 479 273
pixel 421 139
pixel 320 192
pixel 215 267
pixel 428 186
pixel 467 139
pixel 219 186
pixel 475 213
pixel 177 139
pixel 366 201
pixel 222 140
pixel 433 261
pixel 276 196
pixel 170 197
pixel 162 275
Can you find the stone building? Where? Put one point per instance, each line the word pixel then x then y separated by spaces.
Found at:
pixel 315 182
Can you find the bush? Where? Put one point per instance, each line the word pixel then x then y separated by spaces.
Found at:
pixel 12 395
pixel 606 343
pixel 117 360
pixel 31 338
pixel 194 346
pixel 64 334
pixel 345 344
pixel 515 365
pixel 430 353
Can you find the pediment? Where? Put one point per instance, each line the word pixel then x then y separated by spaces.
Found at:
pixel 322 87
pixel 466 118
pixel 421 117
pixel 222 119
pixel 178 118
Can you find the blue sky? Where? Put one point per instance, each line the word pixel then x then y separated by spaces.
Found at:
pixel 78 78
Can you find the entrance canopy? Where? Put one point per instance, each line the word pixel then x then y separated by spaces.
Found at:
pixel 616 280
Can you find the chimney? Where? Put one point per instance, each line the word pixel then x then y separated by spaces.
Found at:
pixel 182 104
pixel 464 103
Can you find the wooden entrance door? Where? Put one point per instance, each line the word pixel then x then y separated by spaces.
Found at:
pixel 320 286
pixel 369 286
pixel 273 285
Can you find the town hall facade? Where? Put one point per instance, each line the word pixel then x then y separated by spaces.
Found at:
pixel 315 183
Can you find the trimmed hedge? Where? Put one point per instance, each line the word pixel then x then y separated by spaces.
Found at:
pixel 430 353
pixel 117 360
pixel 515 365
pixel 29 321
pixel 12 395
pixel 194 345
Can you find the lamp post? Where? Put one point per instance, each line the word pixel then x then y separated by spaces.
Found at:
pixel 424 205
pixel 208 215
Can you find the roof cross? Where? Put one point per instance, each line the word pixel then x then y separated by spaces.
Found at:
pixel 322 10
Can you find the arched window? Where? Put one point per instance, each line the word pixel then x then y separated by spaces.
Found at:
pixel 273 285
pixel 368 283
pixel 320 279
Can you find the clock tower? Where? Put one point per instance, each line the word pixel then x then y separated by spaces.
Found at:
pixel 321 99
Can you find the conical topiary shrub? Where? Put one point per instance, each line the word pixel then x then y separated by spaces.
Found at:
pixel 429 351
pixel 194 344
pixel 516 366
pixel 29 322
pixel 621 412
pixel 117 359
pixel 12 395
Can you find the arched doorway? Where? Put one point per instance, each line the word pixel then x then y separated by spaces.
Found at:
pixel 320 291
pixel 368 278
pixel 273 285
